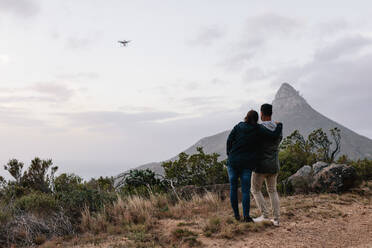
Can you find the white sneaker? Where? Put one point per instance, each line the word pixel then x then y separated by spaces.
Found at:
pixel 260 219
pixel 275 223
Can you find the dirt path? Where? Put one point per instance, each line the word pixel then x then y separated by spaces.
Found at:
pixel 353 228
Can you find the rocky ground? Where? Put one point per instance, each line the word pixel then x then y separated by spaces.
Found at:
pixel 325 220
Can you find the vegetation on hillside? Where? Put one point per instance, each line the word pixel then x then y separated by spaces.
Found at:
pixel 36 205
pixel 35 202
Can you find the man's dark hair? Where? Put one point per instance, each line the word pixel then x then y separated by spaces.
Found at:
pixel 267 109
pixel 252 117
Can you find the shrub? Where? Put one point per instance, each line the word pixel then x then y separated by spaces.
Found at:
pixel 290 162
pixel 102 184
pixel 75 200
pixel 199 169
pixel 67 182
pixel 36 202
pixel 74 195
pixel 363 168
pixel 38 177
pixel 142 182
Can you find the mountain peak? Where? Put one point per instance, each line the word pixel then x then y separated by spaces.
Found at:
pixel 285 91
pixel 288 99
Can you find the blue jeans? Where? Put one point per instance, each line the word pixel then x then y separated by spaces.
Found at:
pixel 245 180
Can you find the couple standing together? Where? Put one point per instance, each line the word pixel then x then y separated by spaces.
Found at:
pixel 252 151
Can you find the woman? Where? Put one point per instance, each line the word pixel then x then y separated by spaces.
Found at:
pixel 243 147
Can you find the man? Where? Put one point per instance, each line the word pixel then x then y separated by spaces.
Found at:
pixel 268 169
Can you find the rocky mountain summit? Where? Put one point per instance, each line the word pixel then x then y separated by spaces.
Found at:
pixel 293 110
pixel 296 114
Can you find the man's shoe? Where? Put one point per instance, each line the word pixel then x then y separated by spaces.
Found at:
pixel 237 217
pixel 275 222
pixel 260 219
pixel 248 219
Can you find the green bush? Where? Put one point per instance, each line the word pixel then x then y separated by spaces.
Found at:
pixel 67 182
pixel 13 191
pixel 74 201
pixel 363 168
pixel 102 184
pixel 289 164
pixel 38 177
pixel 74 195
pixel 142 182
pixel 199 169
pixel 37 202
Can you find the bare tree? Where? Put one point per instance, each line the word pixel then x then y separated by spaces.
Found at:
pixel 336 136
pixel 322 146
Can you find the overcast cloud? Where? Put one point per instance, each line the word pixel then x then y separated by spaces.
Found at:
pixel 256 33
pixel 342 47
pixel 22 8
pixel 208 35
pixel 70 92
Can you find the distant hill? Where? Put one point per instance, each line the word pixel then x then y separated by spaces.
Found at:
pixel 296 114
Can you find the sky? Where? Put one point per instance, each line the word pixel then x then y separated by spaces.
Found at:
pixel 70 92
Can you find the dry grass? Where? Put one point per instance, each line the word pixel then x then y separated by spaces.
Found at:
pixel 198 205
pixel 212 226
pixel 183 236
pixel 230 228
pixel 137 218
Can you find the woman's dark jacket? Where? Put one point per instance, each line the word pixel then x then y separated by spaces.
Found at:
pixel 244 144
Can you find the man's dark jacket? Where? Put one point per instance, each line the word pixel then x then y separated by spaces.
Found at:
pixel 243 144
pixel 269 155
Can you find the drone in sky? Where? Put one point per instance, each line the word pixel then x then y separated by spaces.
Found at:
pixel 124 42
